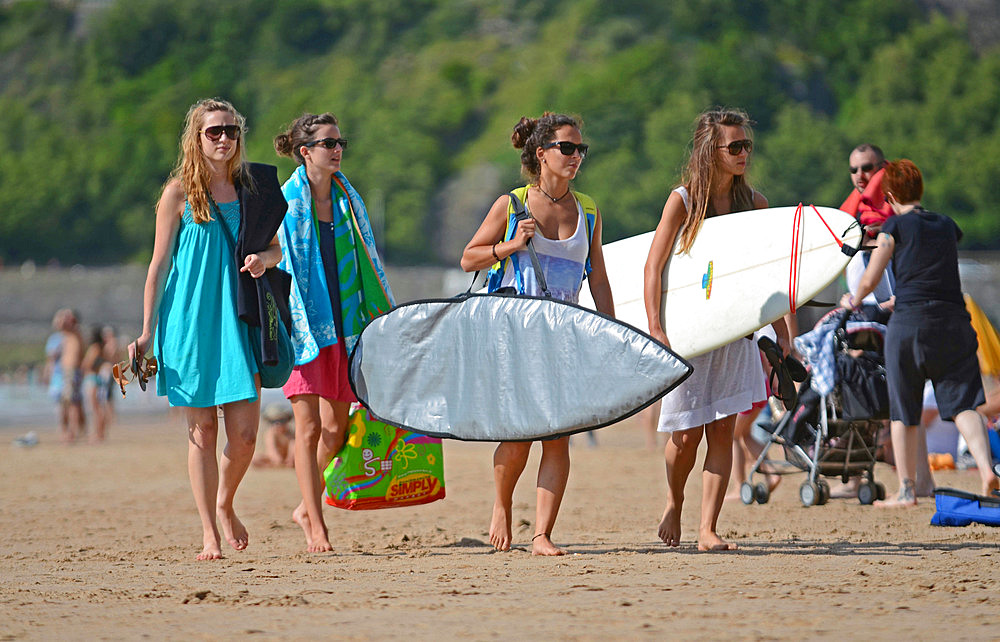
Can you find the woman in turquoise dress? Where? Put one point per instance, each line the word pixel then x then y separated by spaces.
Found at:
pixel 190 300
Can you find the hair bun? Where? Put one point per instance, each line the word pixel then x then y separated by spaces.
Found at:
pixel 522 131
pixel 283 144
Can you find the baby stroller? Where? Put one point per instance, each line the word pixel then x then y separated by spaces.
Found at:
pixel 832 431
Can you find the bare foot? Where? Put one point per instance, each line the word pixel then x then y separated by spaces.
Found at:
pixel 317 539
pixel 669 529
pixel 733 496
pixel 846 491
pixel 301 517
pixel 232 528
pixel 905 498
pixel 500 535
pixel 320 540
pixel 896 502
pixel 212 550
pixel 992 485
pixel 542 545
pixel 772 481
pixel 710 541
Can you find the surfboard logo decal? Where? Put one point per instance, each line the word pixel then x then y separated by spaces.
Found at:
pixel 706 281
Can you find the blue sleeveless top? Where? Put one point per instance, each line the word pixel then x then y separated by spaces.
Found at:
pixel 202 347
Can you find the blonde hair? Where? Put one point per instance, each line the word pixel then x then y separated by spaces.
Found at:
pixel 193 171
pixel 701 173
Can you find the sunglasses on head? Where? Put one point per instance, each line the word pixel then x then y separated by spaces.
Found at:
pixel 567 148
pixel 329 143
pixel 737 146
pixel 867 167
pixel 215 132
pixel 124 372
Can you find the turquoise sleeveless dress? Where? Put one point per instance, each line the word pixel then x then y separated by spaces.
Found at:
pixel 202 346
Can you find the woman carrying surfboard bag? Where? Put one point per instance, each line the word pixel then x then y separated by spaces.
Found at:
pixel 338 286
pixel 726 380
pixel 552 150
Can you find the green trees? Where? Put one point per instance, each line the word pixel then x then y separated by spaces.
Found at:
pixel 427 91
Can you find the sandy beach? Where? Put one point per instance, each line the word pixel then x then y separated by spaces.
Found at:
pixel 98 542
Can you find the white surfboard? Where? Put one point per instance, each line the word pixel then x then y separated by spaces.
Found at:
pixel 735 279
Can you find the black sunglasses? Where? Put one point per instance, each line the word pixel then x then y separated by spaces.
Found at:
pixel 215 132
pixel 738 146
pixel 329 143
pixel 867 167
pixel 567 148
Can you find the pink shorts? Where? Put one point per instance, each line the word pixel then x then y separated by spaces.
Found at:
pixel 326 376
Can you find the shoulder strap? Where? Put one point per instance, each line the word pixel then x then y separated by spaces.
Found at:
pixel 495 275
pixel 521 214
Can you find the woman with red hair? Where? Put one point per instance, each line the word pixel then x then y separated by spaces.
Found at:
pixel 930 334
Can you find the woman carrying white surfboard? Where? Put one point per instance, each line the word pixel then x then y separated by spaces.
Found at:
pixel 566 230
pixel 726 380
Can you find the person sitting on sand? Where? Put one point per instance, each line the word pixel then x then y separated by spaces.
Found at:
pixel 552 151
pixel 930 333
pixel 729 379
pixel 279 438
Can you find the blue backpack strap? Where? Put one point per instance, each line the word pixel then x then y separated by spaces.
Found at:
pixel 495 276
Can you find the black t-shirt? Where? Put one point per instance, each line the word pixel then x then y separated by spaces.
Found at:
pixel 925 262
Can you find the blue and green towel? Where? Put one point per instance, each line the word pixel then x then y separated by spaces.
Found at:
pixel 364 289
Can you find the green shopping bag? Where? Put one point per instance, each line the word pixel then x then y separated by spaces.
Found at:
pixel 381 466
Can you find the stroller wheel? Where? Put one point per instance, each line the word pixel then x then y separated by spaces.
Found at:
pixel 808 493
pixel 746 493
pixel 824 493
pixel 761 493
pixel 880 491
pixel 867 493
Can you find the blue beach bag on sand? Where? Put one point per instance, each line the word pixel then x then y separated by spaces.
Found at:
pixel 959 508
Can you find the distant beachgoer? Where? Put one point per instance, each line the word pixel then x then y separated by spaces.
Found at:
pixel 95 386
pixel 726 380
pixel 279 438
pixel 71 365
pixel 112 354
pixel 52 374
pixel 328 247
pixel 552 151
pixel 930 334
pixel 190 301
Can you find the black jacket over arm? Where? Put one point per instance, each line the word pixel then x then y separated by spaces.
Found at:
pixel 262 208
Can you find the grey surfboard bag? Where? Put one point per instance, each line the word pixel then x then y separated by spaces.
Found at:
pixel 507 367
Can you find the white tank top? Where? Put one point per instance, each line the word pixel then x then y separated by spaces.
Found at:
pixel 562 263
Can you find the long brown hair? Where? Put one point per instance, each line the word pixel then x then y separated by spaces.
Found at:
pixel 193 171
pixel 701 173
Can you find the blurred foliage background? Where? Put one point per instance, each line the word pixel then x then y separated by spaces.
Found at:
pixel 93 94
